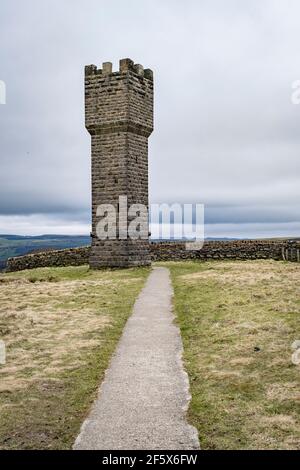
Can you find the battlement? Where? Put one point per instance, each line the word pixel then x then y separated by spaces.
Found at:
pixel 119 100
pixel 125 66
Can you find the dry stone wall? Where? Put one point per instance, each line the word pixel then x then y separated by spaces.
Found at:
pixel 239 249
pixel 54 258
pixel 169 251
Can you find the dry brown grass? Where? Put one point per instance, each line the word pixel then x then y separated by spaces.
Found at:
pixel 238 321
pixel 60 327
pixel 42 335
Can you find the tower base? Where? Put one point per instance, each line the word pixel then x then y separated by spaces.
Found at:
pixel 119 254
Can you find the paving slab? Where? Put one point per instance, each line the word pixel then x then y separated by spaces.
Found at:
pixel 143 399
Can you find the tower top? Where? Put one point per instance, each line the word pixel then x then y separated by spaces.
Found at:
pixel 125 66
pixel 114 100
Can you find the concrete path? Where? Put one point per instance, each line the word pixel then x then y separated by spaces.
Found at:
pixel 143 400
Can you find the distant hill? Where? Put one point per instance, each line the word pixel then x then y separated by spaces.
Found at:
pixel 17 245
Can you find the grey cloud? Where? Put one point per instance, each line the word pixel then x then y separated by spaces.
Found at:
pixel 226 133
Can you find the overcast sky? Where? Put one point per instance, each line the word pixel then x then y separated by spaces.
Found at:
pixel 226 133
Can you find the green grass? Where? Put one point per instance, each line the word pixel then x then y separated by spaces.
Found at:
pixel 238 321
pixel 60 326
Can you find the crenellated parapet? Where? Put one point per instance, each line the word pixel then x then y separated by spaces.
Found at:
pixel 121 100
pixel 125 66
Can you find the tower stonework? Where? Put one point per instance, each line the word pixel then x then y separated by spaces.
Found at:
pixel 119 118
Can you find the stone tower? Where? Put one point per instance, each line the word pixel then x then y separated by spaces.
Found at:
pixel 119 117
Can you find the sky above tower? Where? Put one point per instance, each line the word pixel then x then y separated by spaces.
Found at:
pixel 226 130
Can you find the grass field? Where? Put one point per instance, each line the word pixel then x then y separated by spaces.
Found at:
pixel 238 321
pixel 60 327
